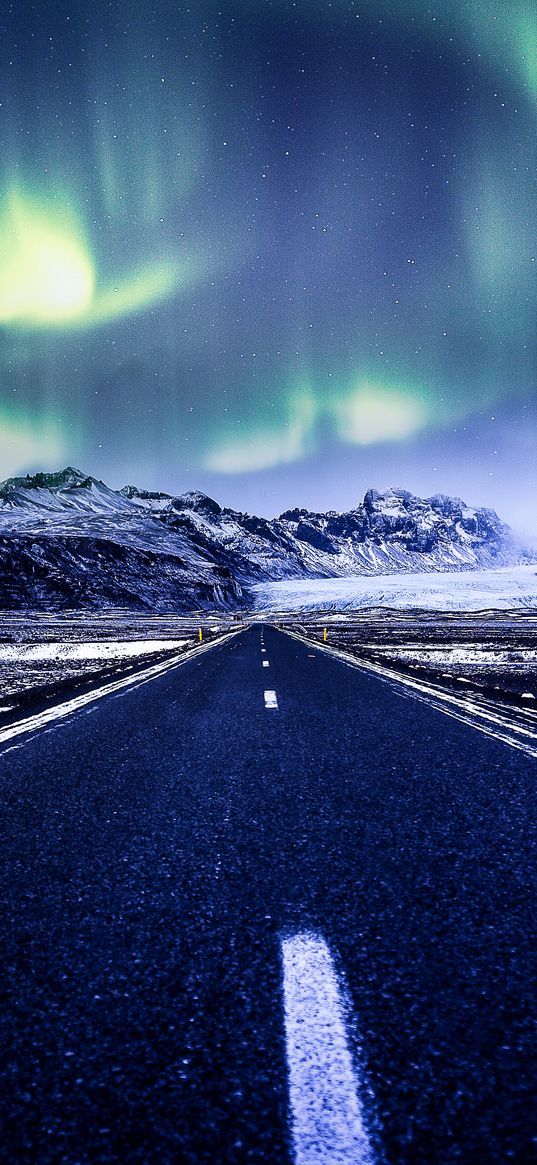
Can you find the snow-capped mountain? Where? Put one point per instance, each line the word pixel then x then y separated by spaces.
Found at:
pixel 66 539
pixel 388 531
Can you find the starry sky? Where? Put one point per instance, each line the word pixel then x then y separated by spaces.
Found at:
pixel 277 250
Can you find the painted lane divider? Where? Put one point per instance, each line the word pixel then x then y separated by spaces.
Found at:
pixel 271 700
pixel 266 663
pixel 326 1113
pixel 263 651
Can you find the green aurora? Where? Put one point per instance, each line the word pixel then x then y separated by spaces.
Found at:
pixel 280 255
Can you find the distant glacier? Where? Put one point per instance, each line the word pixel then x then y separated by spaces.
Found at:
pixel 506 588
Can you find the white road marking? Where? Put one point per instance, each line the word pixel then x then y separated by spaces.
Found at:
pixel 42 720
pixel 263 650
pixel 271 700
pixel 326 1113
pixel 494 724
pixel 266 663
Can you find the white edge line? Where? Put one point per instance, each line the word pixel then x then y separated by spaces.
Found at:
pixel 60 711
pixel 429 696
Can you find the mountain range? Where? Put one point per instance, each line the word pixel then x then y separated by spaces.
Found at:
pixel 68 540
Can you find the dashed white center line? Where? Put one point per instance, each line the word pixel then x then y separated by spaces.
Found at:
pixel 270 699
pixel 266 663
pixel 263 651
pixel 326 1113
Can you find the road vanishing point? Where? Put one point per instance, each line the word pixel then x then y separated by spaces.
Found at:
pixel 265 907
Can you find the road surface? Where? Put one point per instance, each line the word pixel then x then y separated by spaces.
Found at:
pixel 205 877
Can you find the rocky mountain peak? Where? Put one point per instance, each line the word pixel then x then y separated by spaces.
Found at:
pixel 195 500
pixel 62 479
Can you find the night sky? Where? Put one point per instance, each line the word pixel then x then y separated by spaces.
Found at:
pixel 277 251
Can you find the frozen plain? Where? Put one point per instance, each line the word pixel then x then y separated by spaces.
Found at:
pixel 469 590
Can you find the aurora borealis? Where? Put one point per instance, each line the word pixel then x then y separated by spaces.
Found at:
pixel 279 251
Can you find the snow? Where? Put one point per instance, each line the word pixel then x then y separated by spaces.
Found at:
pixel 471 590
pixel 77 651
pixel 463 656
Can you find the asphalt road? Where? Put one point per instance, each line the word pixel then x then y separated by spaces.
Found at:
pixel 160 846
